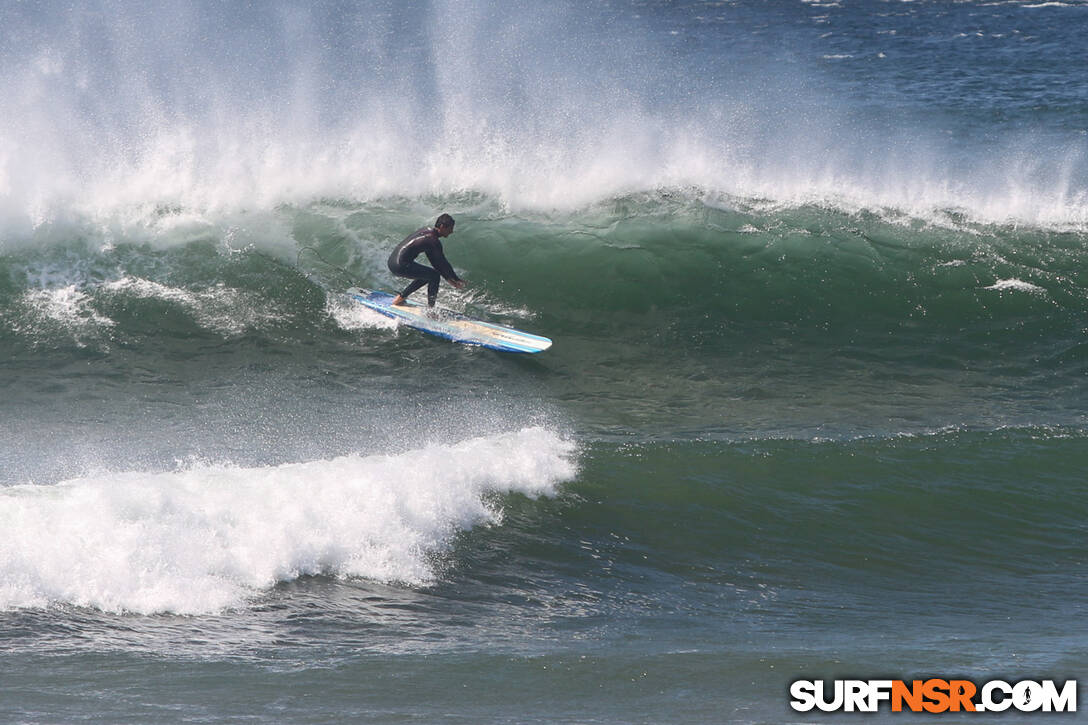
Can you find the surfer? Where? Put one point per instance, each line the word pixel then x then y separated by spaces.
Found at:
pixel 427 240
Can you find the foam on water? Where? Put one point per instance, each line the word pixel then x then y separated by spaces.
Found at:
pixel 1015 285
pixel 72 311
pixel 123 110
pixel 350 315
pixel 65 309
pixel 223 309
pixel 208 537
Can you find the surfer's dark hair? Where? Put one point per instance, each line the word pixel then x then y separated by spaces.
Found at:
pixel 444 221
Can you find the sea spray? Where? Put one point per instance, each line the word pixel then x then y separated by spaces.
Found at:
pixel 205 538
pixel 120 110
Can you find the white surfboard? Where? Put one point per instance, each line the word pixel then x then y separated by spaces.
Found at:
pixel 451 325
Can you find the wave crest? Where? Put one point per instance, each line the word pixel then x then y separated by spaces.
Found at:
pixel 205 538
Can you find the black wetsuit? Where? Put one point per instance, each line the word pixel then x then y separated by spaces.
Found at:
pixel 402 263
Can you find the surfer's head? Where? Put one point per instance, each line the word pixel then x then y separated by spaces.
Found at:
pixel 444 225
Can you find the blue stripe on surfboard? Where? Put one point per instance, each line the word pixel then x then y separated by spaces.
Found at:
pixel 524 342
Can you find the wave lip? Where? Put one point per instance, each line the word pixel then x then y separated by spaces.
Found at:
pixel 182 105
pixel 209 537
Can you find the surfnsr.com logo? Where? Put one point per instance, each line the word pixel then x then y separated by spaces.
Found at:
pixel 933 695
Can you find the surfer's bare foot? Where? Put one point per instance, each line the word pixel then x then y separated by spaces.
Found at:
pixel 398 300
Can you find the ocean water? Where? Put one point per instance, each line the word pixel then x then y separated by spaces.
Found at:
pixel 815 274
